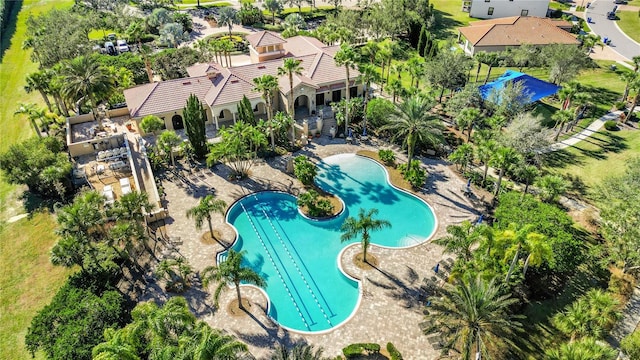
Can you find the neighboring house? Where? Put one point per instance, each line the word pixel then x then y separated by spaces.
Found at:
pixel 221 89
pixel 500 34
pixel 493 9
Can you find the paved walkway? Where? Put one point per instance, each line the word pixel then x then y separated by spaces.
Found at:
pixel 586 133
pixel 600 25
pixel 629 321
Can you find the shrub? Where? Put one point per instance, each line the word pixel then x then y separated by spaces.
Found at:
pixel 630 345
pixel 316 206
pixel 355 350
pixel 414 174
pixel 620 105
pixel 395 354
pixel 151 124
pixel 387 156
pixel 621 284
pixel 611 125
pixel 304 170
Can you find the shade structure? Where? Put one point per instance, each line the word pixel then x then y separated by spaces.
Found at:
pixel 534 88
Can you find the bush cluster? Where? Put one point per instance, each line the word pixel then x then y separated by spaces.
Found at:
pixel 611 125
pixel 393 352
pixel 356 350
pixel 387 156
pixel 414 174
pixel 316 206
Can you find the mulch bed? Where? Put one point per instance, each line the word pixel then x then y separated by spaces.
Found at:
pixel 372 261
pixel 235 310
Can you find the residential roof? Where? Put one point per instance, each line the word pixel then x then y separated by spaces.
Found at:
pixel 264 38
pixel 517 30
pixel 216 85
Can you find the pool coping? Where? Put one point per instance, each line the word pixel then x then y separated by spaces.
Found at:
pixel 340 254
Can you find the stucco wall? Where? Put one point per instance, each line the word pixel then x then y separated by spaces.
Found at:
pixel 506 8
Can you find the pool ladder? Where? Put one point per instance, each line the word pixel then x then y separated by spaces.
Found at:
pixel 296 265
pixel 264 246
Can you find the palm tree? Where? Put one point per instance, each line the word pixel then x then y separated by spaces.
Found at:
pixel 364 224
pixel 484 153
pixel 634 85
pixel 347 57
pixel 369 50
pixel 413 122
pixel 39 81
pixel 527 174
pixel 230 272
pixel 583 349
pixel 462 156
pixel 461 239
pixel 299 352
pixel 228 16
pixel 208 343
pixel 503 158
pixel 395 86
pixel 69 251
pixel 268 85
pixel 466 119
pixel 273 6
pixel 167 141
pixel 491 59
pixel 86 79
pixel 226 47
pixel 561 118
pixel 176 272
pixel 515 241
pixel 551 187
pixel 628 78
pixel 137 31
pixel 208 205
pixel 33 114
pixel 590 316
pixel 368 75
pixel 480 58
pixel 473 316
pixel 289 67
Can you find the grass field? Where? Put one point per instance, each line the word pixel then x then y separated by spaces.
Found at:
pixel 629 23
pixel 27 278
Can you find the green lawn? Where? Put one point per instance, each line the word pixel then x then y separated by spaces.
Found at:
pixel 27 278
pixel 101 34
pixel 630 23
pixel 602 155
pixel 451 15
pixel 558 5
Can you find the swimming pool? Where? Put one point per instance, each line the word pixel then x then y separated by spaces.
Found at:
pixel 299 256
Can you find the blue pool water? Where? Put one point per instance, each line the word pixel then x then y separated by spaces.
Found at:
pixel 299 256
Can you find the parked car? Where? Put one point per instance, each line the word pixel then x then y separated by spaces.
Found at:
pixel 110 48
pixel 122 45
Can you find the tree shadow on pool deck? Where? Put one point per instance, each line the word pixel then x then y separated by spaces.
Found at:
pixel 410 292
pixel 273 335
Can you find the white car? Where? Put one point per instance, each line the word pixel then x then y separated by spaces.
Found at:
pixel 122 45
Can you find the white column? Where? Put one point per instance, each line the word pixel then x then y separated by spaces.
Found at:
pixel 234 117
pixel 215 120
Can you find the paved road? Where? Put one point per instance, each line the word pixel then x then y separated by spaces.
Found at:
pixel 607 28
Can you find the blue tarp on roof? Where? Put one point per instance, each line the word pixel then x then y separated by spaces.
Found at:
pixel 536 89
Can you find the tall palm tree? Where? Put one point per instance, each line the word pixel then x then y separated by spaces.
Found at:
pixel 634 85
pixel 484 153
pixel 368 75
pixel 84 79
pixel 226 47
pixel 467 118
pixel 527 174
pixel 363 225
pixel 516 241
pixel 462 156
pixel 268 85
pixel 590 316
pixel 396 88
pixel 33 114
pixel 503 158
pixel 628 78
pixel 461 239
pixel 561 118
pixel 413 122
pixel 583 349
pixel 230 272
pixel 299 352
pixel 56 86
pixel 273 6
pixel 228 16
pixel 39 81
pixel 167 141
pixel 491 59
pixel 208 205
pixel 289 67
pixel 473 318
pixel 369 50
pixel 132 206
pixel 347 57
pixel 137 31
pixel 567 93
pixel 480 58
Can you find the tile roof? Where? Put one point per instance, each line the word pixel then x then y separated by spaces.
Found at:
pixel 165 96
pixel 515 31
pixel 230 84
pixel 264 38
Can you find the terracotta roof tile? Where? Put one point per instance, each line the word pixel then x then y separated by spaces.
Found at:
pixel 165 96
pixel 264 38
pixel 516 31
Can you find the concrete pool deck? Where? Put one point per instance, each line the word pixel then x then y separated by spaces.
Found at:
pixel 393 297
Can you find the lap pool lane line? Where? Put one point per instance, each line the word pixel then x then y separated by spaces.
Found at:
pixel 606 28
pixel 295 264
pixel 273 263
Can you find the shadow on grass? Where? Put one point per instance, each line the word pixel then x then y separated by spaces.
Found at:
pixel 604 143
pixel 561 159
pixel 446 24
pixel 6 33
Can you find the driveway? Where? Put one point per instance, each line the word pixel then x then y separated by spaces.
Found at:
pixel 608 29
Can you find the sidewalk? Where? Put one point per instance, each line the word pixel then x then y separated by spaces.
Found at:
pixel 586 133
